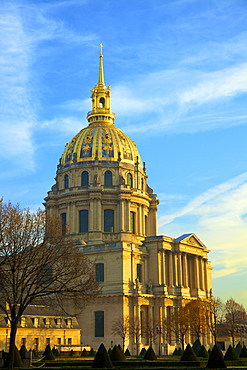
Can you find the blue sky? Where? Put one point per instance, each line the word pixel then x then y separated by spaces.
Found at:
pixel 178 74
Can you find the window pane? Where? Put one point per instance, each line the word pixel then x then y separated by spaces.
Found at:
pixel 132 222
pixel 139 272
pixel 84 178
pixel 100 272
pixel 83 221
pixel 130 180
pixel 66 182
pixel 99 324
pixel 63 218
pixel 108 178
pixel 109 220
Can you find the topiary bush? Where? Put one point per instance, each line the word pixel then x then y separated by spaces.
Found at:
pixel 175 352
pixel 203 352
pixel 196 346
pixel 71 354
pixel 180 352
pixel 150 355
pixel 115 354
pixel 243 352
pixel 102 359
pixel 143 352
pixel 91 353
pixel 84 353
pixel 231 354
pixel 189 354
pixel 127 353
pixel 23 351
pixel 48 353
pixel 34 354
pixel 238 348
pixel 57 353
pixel 122 352
pixel 216 359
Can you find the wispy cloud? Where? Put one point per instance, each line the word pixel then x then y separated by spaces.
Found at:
pixel 219 218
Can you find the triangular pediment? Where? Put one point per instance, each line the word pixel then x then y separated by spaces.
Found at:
pixel 190 239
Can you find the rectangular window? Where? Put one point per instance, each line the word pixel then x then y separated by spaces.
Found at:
pixel 109 220
pixel 100 272
pixel 139 272
pixel 63 218
pixel 99 324
pixel 23 341
pixel 83 221
pixel 59 341
pixel 69 341
pixel 48 341
pixel 36 344
pixel 132 222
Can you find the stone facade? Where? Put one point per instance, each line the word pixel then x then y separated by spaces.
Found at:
pixel 102 196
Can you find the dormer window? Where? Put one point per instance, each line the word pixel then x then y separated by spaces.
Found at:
pixel 69 323
pixel 47 322
pixel 23 322
pixel 36 322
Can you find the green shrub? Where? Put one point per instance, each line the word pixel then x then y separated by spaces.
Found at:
pixel 48 353
pixel 102 359
pixel 216 359
pixel 150 355
pixel 84 353
pixel 238 348
pixel 56 353
pixel 143 352
pixel 189 354
pixel 23 351
pixel 175 352
pixel 203 352
pixel 91 353
pixel 115 354
pixel 34 354
pixel 196 346
pixel 243 353
pixel 231 354
pixel 122 352
pixel 71 354
pixel 180 352
pixel 127 352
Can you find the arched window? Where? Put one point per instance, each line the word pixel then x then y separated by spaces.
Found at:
pixel 84 178
pixel 99 324
pixel 108 220
pixel 130 180
pixel 108 178
pixel 83 221
pixel 66 182
pixel 100 272
pixel 102 102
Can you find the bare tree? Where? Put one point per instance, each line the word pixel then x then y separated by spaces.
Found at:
pixel 215 316
pixel 121 327
pixel 39 263
pixel 136 333
pixel 235 316
pixel 196 312
pixel 180 324
pixel 150 329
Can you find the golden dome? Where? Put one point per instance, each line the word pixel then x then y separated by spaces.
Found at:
pixel 100 140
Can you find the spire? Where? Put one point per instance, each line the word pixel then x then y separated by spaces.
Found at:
pixel 101 69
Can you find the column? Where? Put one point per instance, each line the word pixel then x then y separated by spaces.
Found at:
pixel 196 275
pixel 127 207
pixel 201 273
pixel 99 216
pixel 163 267
pixel 122 215
pixel 185 270
pixel 179 271
pixel 205 275
pixel 91 212
pixel 175 269
pixel 171 283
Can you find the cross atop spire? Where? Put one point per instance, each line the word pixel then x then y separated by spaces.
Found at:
pixel 101 69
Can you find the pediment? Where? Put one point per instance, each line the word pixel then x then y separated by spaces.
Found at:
pixel 191 239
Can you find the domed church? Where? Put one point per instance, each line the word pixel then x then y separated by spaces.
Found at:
pixel 103 198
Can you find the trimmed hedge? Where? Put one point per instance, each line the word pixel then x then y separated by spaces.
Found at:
pixel 189 354
pixel 116 355
pixel 231 354
pixel 150 355
pixel 243 353
pixel 102 359
pixel 143 352
pixel 216 359
pixel 203 352
pixel 48 353
pixel 196 346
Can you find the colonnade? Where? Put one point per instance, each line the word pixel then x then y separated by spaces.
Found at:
pixel 182 269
